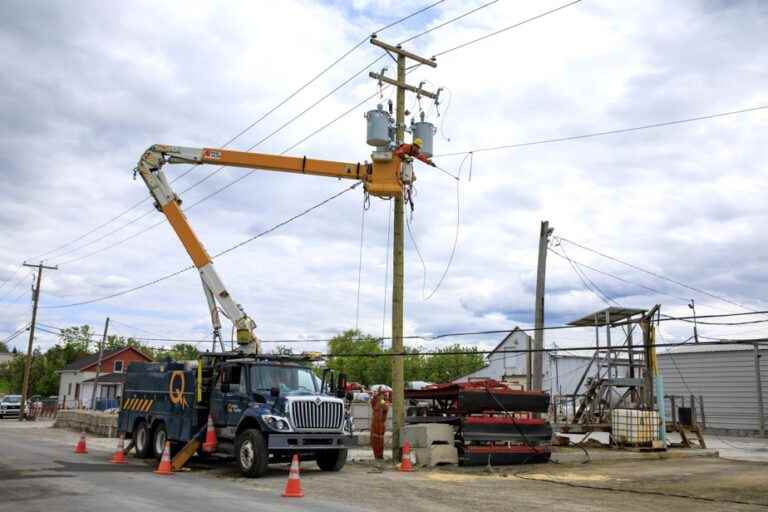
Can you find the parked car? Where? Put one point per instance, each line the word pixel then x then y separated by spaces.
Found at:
pixel 10 405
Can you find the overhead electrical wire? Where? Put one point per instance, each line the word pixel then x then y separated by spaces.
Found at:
pixel 656 274
pixel 654 290
pixel 586 348
pixel 510 27
pixel 190 267
pixel 606 132
pixel 15 335
pixel 250 126
pixel 249 173
pixel 439 336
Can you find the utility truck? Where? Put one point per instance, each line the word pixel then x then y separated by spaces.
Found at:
pixel 264 408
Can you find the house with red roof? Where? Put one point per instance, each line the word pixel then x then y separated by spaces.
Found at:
pixel 80 388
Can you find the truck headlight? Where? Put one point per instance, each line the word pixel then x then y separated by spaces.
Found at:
pixel 279 423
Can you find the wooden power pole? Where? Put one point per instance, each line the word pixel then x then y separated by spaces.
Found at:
pixel 398 262
pixel 28 363
pixel 98 365
pixel 537 358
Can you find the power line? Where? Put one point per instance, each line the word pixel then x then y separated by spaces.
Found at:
pixel 290 121
pixel 190 267
pixel 654 290
pixel 608 132
pixel 433 337
pixel 448 22
pixel 515 25
pixel 15 335
pixel 248 128
pixel 656 274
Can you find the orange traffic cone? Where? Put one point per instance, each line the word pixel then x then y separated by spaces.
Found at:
pixel 119 456
pixel 165 461
pixel 209 446
pixel 293 485
pixel 80 447
pixel 406 464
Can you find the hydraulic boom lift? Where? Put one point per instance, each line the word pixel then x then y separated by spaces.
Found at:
pixel 387 176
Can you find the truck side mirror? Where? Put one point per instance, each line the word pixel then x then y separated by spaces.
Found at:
pixel 341 385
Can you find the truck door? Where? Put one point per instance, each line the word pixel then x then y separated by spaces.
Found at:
pixel 230 396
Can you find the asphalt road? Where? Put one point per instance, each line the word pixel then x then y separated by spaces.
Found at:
pixel 40 472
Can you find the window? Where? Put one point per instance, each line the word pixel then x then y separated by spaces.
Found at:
pixel 117 367
pixel 69 389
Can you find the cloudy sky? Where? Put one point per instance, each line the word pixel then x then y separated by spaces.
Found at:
pixel 87 86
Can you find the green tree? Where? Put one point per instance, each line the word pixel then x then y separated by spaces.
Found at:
pixel 182 352
pixel 282 350
pixel 447 365
pixel 3 347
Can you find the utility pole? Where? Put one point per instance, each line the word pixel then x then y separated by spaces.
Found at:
pixel 537 376
pixel 98 366
pixel 28 363
pixel 692 305
pixel 398 245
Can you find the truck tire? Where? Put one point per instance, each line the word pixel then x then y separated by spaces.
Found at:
pixel 251 453
pixel 331 460
pixel 159 438
pixel 143 440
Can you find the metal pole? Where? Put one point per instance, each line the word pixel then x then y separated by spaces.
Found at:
pixel 701 411
pixel 398 272
pixel 759 387
pixel 98 366
pixel 28 362
pixel 538 364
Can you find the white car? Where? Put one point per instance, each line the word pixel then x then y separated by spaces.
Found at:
pixel 10 405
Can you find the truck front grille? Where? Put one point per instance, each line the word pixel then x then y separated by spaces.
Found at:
pixel 313 415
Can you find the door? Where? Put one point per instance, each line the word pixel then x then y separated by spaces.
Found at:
pixel 230 398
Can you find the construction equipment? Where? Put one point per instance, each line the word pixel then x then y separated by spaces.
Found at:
pixel 492 421
pixel 262 409
pixel 387 176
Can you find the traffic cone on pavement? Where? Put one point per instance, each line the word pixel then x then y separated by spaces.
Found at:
pixel 293 486
pixel 165 461
pixel 209 446
pixel 119 456
pixel 406 464
pixel 80 446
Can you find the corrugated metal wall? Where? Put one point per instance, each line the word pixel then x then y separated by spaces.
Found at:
pixel 726 380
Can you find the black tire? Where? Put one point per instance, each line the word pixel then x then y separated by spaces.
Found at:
pixel 331 460
pixel 159 438
pixel 251 453
pixel 142 438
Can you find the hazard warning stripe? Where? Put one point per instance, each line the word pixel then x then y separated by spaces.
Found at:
pixel 130 404
pixel 149 405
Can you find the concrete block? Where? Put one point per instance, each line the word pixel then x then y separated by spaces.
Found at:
pixel 437 454
pixel 424 435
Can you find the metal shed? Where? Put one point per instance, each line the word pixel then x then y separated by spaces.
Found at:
pixel 726 379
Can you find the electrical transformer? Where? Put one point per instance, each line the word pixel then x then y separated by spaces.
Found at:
pixel 378 132
pixel 425 131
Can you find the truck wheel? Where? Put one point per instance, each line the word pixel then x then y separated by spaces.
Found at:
pixel 331 460
pixel 159 439
pixel 251 453
pixel 142 438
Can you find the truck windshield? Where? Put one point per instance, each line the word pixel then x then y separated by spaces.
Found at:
pixel 285 378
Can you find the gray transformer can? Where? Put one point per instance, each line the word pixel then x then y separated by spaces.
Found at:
pixel 426 132
pixel 378 127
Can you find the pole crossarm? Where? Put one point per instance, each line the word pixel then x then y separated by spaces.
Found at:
pixel 405 53
pixel 403 85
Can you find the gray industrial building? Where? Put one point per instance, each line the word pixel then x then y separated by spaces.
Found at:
pixel 722 378
pixel 725 379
